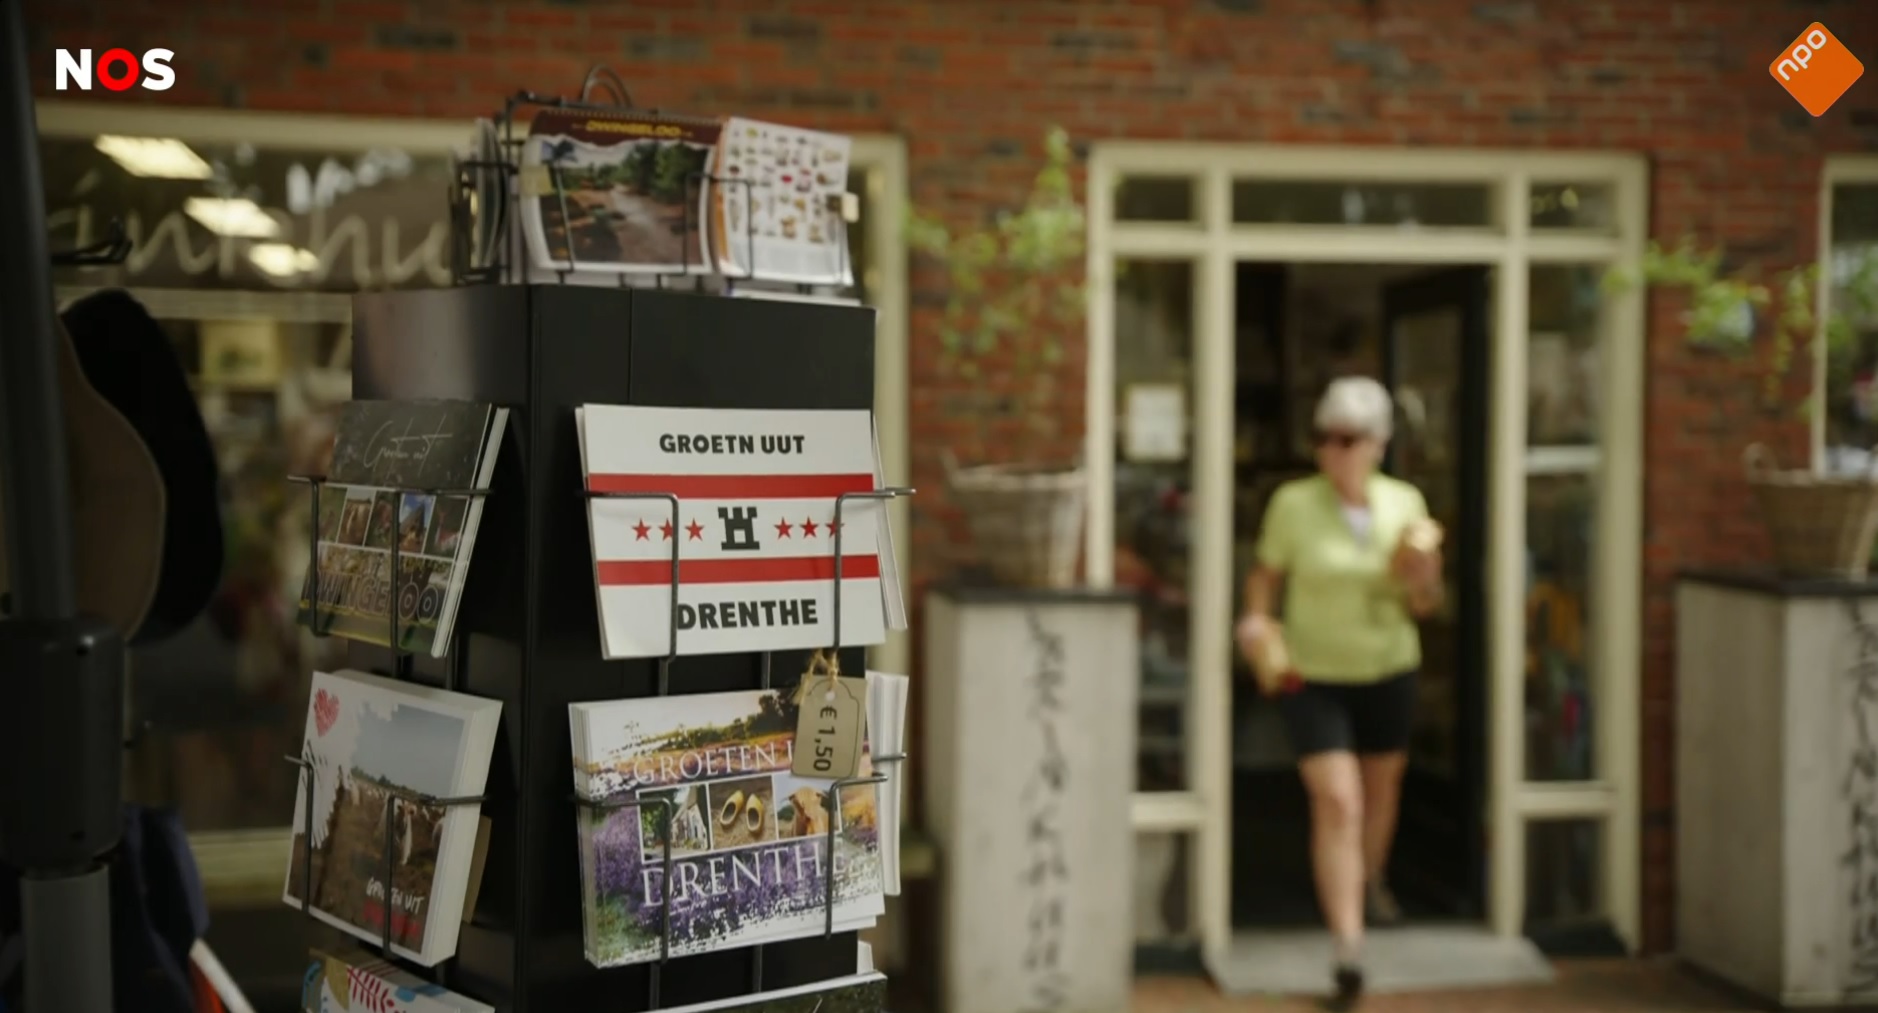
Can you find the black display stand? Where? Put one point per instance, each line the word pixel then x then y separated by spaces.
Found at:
pixel 528 633
pixel 64 670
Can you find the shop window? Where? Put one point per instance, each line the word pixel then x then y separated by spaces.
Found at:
pixel 1851 403
pixel 1162 876
pixel 1562 355
pixel 247 256
pixel 1404 205
pixel 1153 463
pixel 1154 199
pixel 1563 366
pixel 1560 523
pixel 238 216
pixel 225 698
pixel 1564 875
pixel 1582 206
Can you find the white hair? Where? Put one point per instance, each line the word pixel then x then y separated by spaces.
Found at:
pixel 1356 405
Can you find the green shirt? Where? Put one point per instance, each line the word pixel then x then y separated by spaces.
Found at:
pixel 1345 617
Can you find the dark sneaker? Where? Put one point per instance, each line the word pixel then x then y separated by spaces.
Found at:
pixel 1380 908
pixel 1347 981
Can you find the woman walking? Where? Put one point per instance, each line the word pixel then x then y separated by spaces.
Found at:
pixel 1352 592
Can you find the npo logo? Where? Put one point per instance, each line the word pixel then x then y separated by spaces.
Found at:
pixel 116 69
pixel 1816 69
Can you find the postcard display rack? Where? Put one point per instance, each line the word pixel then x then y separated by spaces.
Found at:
pixel 488 244
pixel 527 632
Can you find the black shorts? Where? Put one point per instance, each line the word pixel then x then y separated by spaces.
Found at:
pixel 1363 718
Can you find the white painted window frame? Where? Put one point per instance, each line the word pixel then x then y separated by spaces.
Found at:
pixel 245 864
pixel 1837 171
pixel 1213 244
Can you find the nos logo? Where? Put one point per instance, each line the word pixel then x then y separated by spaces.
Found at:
pixel 117 69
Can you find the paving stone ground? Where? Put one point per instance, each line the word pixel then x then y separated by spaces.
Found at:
pixel 1596 986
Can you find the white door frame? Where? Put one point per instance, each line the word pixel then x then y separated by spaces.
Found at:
pixel 248 863
pixel 1213 243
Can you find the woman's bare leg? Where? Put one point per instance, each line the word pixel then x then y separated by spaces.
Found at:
pixel 1382 802
pixel 1335 786
pixel 1381 775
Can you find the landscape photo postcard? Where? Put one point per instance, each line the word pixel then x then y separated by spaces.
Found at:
pixel 385 456
pixel 617 192
pixel 749 839
pixel 371 742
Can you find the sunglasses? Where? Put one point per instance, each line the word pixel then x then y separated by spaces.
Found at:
pixel 1341 441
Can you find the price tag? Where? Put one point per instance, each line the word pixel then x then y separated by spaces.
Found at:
pixel 847 205
pixel 831 726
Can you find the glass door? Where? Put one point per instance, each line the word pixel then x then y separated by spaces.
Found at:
pixel 1435 359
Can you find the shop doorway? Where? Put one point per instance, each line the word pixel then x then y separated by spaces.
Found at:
pixel 1424 331
pixel 1180 236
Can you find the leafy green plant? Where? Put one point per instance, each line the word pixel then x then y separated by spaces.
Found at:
pixel 1725 309
pixel 1015 285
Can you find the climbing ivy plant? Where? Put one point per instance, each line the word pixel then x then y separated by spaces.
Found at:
pixel 1724 309
pixel 1014 285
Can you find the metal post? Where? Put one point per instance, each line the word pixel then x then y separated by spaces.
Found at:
pixel 67 928
pixel 64 673
pixel 33 463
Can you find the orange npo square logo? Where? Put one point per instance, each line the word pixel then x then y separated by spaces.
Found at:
pixel 1816 69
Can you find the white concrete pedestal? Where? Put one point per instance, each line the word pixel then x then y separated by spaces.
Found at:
pixel 1029 766
pixel 1777 785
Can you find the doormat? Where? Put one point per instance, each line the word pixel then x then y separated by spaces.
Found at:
pixel 1412 958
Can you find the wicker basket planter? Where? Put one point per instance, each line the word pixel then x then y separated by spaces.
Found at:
pixel 1026 522
pixel 1820 525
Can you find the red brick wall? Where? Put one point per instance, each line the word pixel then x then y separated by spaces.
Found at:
pixel 972 84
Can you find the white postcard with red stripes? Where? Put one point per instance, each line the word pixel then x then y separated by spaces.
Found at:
pixel 751 544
